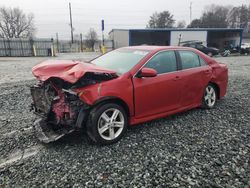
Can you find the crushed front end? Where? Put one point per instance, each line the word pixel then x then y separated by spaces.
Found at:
pixel 55 100
pixel 57 108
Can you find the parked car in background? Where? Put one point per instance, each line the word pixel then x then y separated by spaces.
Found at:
pixel 245 48
pixel 210 51
pixel 123 88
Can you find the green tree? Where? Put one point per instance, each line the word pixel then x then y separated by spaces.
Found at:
pixel 181 24
pixel 215 16
pixel 196 23
pixel 161 20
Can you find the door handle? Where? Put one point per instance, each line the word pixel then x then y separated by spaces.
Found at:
pixel 177 78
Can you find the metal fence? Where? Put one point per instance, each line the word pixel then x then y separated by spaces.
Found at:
pixel 44 47
pixel 26 47
pixel 65 46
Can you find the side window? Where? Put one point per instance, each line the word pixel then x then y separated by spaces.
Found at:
pixel 189 59
pixel 202 62
pixel 163 62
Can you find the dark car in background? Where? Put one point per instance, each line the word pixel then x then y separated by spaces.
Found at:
pixel 210 51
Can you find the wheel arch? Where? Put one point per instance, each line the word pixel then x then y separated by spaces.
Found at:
pixel 115 100
pixel 216 87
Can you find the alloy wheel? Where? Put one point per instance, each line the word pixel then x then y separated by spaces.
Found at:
pixel 210 96
pixel 111 124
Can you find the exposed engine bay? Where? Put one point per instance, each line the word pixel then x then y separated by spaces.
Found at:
pixel 59 107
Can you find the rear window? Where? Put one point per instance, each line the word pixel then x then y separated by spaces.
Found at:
pixel 202 62
pixel 189 59
pixel 163 62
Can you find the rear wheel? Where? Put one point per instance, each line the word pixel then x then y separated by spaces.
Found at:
pixel 107 123
pixel 209 97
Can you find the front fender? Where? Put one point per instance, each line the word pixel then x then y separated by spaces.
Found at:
pixel 120 88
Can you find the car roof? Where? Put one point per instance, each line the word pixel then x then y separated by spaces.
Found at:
pixel 156 48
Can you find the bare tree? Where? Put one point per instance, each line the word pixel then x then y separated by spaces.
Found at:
pixel 91 38
pixel 161 20
pixel 16 24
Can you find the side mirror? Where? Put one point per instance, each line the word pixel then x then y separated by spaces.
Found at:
pixel 147 72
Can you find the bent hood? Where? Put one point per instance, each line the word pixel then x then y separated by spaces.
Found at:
pixel 70 71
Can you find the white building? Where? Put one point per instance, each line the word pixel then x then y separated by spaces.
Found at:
pixel 216 37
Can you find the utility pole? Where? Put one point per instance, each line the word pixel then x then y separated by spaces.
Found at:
pixel 81 42
pixel 71 25
pixel 57 43
pixel 102 32
pixel 190 12
pixel 102 38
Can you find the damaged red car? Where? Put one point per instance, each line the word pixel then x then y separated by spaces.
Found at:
pixel 122 88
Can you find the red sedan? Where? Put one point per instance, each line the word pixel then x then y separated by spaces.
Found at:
pixel 124 87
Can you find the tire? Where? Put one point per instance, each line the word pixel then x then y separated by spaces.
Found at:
pixel 209 98
pixel 106 123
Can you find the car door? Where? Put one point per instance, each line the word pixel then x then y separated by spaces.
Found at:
pixel 195 75
pixel 161 93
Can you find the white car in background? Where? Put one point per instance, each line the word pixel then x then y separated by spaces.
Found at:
pixel 245 48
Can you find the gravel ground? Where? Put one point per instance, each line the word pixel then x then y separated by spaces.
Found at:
pixel 198 148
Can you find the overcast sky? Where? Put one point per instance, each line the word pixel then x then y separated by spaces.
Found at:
pixel 52 16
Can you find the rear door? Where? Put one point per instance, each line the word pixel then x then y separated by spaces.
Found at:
pixel 195 74
pixel 161 93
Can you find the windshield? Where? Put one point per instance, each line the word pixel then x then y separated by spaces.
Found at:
pixel 121 60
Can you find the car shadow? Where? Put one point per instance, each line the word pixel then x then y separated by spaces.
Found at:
pixel 133 134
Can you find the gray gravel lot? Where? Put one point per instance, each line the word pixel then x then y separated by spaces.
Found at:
pixel 198 148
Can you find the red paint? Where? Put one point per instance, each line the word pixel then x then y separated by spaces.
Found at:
pixel 147 72
pixel 59 107
pixel 146 98
pixel 70 71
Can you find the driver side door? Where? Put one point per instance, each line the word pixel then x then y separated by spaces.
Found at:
pixel 158 94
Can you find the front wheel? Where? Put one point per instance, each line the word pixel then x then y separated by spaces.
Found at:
pixel 209 97
pixel 107 123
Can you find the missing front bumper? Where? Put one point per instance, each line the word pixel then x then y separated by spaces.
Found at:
pixel 45 132
pixel 60 111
